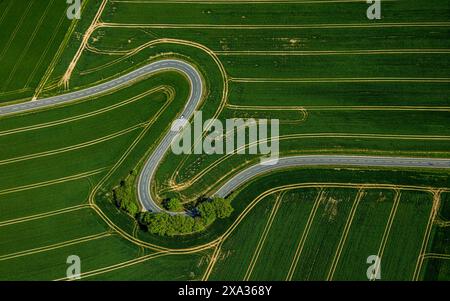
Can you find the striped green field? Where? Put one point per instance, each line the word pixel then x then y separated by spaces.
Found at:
pixel 31 35
pixel 329 233
pixel 282 240
pixel 61 154
pixel 338 82
pixel 234 251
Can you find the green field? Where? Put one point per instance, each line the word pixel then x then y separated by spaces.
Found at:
pixel 329 241
pixel 32 33
pixel 376 76
pixel 338 82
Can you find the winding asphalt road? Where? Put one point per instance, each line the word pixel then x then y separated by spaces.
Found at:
pixel 101 88
pixel 195 96
pixel 333 160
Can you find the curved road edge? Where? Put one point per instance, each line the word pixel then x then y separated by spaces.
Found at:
pixel 331 160
pixel 99 89
pixel 146 175
pixel 196 91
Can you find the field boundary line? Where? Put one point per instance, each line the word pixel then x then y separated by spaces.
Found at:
pixel 213 261
pixel 125 102
pixel 135 234
pixel 95 50
pixel 43 215
pixel 305 232
pixel 224 95
pixel 221 239
pixel 322 187
pixel 56 246
pixel 52 182
pixel 263 237
pixel 300 109
pixel 117 266
pixel 12 92
pixel 435 256
pixel 70 148
pixel 138 139
pixel 345 232
pixel 434 211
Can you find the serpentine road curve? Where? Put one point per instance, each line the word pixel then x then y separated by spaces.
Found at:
pixel 195 97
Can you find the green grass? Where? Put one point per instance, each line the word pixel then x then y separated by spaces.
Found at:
pixel 101 156
pixel 438 269
pixel 50 230
pixel 364 237
pixel 346 66
pixel 45 199
pixel 318 123
pixel 274 39
pixel 31 34
pixel 356 122
pixel 339 94
pixel 51 265
pixel 272 13
pixel 439 240
pixel 185 267
pixel 444 213
pixel 365 234
pixel 324 235
pixel 69 50
pixel 237 251
pixel 281 243
pixel 406 236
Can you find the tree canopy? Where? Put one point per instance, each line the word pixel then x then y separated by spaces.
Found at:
pixel 173 204
pixel 124 196
pixel 165 224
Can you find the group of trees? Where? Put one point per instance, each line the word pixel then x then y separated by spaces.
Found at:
pixel 165 224
pixel 205 214
pixel 123 195
pixel 173 204
pixel 210 210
